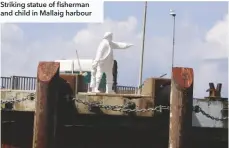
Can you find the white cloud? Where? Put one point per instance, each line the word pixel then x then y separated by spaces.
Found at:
pixel 21 58
pixel 217 37
pixel 8 33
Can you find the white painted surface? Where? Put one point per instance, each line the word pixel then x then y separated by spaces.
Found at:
pixel 69 65
pixel 210 107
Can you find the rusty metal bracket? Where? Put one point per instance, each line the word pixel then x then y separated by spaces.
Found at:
pixel 214 92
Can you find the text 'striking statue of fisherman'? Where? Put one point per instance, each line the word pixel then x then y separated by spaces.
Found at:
pixel 103 62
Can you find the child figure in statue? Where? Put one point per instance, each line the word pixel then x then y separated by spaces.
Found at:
pixel 103 62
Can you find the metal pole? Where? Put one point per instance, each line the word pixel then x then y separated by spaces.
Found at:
pixel 143 47
pixel 174 21
pixel 173 40
pixel 78 60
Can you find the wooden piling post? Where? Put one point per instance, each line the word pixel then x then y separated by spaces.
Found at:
pixel 46 104
pixel 181 97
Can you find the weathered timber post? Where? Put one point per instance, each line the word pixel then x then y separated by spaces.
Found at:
pixel 46 105
pixel 181 97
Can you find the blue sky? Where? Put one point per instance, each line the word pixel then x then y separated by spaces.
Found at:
pixel 200 41
pixel 205 14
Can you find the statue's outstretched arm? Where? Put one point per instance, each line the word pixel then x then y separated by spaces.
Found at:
pixel 120 45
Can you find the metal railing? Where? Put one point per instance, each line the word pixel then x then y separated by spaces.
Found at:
pixel 29 83
pixel 6 82
pixel 126 90
pixel 18 83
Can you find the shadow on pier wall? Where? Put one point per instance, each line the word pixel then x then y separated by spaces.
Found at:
pixel 105 132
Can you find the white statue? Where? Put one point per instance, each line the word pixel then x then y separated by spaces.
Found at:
pixel 103 62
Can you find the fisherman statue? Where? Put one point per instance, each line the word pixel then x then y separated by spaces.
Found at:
pixel 103 62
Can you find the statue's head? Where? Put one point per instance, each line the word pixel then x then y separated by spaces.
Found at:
pixel 108 36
